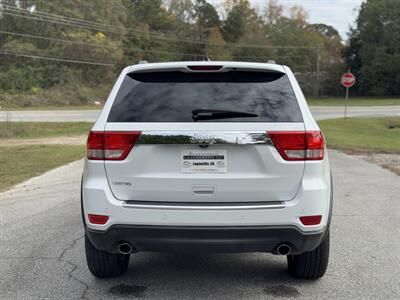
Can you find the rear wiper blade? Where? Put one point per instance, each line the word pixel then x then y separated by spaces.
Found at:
pixel 213 114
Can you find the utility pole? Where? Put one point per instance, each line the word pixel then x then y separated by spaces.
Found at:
pixel 318 70
pixel 206 37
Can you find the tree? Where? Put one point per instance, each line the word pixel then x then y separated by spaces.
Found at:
pixel 206 15
pixel 298 14
pixel 182 10
pixel 218 49
pixel 123 32
pixel 241 19
pixel 152 13
pixel 273 12
pixel 150 23
pixel 61 41
pixel 331 53
pixel 374 49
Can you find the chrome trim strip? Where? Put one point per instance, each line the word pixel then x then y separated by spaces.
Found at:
pixel 204 138
pixel 203 206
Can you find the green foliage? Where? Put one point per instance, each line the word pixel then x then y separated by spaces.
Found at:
pixel 57 96
pixel 374 50
pixel 206 15
pixel 126 31
pixel 32 130
pixel 363 134
pixel 242 19
pixel 20 163
pixel 218 49
pixel 354 101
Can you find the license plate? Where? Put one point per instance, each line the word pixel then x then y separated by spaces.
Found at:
pixel 198 161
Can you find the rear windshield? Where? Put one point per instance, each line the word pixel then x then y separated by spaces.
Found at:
pixel 235 96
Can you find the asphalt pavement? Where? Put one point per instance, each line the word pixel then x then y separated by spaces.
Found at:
pixel 319 112
pixel 42 251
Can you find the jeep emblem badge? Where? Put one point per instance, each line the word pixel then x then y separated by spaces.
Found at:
pixel 203 139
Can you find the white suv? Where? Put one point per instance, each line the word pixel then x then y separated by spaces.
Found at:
pixel 206 156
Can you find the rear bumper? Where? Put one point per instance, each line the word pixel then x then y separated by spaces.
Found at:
pixel 205 238
pixel 250 228
pixel 312 198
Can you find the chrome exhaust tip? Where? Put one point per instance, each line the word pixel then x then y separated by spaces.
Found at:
pixel 283 249
pixel 125 248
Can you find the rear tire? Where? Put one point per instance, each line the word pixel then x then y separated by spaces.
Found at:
pixel 312 264
pixel 103 264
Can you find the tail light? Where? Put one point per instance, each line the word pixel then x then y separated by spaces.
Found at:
pixel 204 68
pixel 310 220
pixel 299 145
pixel 110 145
pixel 98 219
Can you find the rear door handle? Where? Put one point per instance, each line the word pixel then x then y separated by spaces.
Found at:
pixel 203 189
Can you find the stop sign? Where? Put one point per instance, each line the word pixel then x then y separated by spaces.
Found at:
pixel 348 80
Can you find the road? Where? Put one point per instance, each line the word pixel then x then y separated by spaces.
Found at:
pixel 42 253
pixel 332 112
pixel 319 112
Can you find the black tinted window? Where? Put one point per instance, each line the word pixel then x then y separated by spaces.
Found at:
pixel 173 96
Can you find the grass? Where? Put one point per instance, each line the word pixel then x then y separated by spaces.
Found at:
pixel 29 101
pixel 20 163
pixel 56 107
pixel 363 134
pixel 354 101
pixel 73 96
pixel 42 129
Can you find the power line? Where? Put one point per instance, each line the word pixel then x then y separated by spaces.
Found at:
pixel 67 18
pixel 6 52
pixel 25 35
pixel 87 62
pixel 93 44
pixel 75 20
pixel 303 66
pixel 280 57
pixel 62 20
pixel 70 60
pixel 97 25
pixel 37 18
pixel 59 17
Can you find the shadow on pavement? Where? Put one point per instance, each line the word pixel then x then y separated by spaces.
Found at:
pixel 156 275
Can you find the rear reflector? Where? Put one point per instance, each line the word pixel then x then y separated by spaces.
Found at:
pixel 205 68
pixel 110 145
pixel 299 145
pixel 98 219
pixel 310 220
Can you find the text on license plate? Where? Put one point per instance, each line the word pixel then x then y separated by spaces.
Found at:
pixel 214 161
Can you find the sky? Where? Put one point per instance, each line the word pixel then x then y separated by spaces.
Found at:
pixel 337 13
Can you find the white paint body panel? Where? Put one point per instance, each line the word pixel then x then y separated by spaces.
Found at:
pixel 255 173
